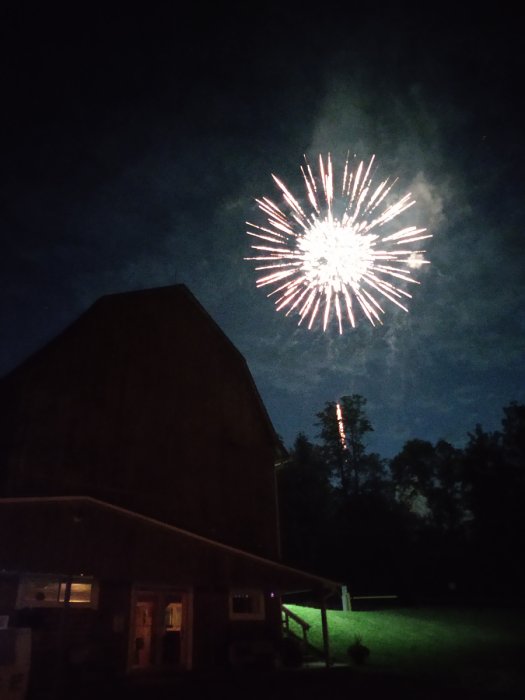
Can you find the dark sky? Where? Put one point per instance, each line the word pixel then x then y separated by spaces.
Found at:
pixel 134 144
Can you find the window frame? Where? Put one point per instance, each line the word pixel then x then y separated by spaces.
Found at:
pixel 259 609
pixel 23 600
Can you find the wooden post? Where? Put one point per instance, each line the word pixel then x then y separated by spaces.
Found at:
pixel 345 598
pixel 324 623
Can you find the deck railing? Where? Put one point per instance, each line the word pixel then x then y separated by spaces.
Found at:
pixel 288 615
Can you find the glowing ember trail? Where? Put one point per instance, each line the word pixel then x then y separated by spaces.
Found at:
pixel 342 250
pixel 340 425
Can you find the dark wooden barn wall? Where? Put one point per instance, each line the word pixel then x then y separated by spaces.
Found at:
pixel 79 536
pixel 145 403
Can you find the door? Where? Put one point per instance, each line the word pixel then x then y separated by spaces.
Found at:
pixel 160 630
pixel 172 632
pixel 145 613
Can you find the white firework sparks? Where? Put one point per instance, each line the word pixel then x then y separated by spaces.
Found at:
pixel 324 262
pixel 340 425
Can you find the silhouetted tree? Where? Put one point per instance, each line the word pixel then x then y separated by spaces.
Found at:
pixel 434 515
pixel 513 437
pixel 369 525
pixel 429 480
pixel 412 471
pixel 495 483
pixel 446 496
pixel 343 441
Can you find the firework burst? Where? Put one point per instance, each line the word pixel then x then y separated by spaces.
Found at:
pixel 340 255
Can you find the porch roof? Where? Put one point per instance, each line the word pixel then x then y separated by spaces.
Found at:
pixel 83 535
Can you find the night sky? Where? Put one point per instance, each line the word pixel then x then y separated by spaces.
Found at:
pixel 134 145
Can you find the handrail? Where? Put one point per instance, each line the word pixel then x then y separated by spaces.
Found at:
pixel 288 614
pixel 307 647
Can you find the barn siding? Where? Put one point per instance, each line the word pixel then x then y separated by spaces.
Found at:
pixel 144 402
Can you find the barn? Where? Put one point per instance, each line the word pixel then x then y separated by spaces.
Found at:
pixel 138 505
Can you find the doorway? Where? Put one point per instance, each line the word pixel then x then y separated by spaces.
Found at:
pixel 160 630
pixel 144 616
pixel 171 634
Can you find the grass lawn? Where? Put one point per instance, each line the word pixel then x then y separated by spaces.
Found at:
pixel 462 647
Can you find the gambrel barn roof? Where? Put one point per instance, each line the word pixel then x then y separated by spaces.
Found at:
pixel 145 403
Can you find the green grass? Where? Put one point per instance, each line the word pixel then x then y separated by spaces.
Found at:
pixel 458 646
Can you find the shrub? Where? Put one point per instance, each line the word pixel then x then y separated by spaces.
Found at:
pixel 358 652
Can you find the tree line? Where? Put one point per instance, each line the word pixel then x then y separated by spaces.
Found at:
pixel 433 520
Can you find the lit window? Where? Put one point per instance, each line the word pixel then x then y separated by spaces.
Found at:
pixel 173 617
pixel 246 605
pixel 49 592
pixel 79 593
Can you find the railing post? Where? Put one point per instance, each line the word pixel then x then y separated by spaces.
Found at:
pixel 324 624
pixel 345 598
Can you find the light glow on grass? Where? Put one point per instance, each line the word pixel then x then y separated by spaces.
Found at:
pixel 444 643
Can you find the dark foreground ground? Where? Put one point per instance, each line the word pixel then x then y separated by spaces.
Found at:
pixel 336 683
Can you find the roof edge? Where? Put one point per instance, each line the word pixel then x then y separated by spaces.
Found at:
pixel 172 528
